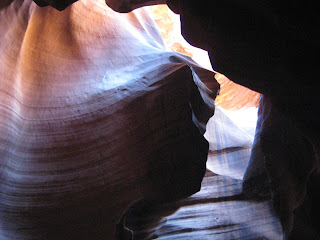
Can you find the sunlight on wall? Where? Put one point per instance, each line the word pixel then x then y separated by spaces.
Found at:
pixel 169 25
pixel 232 96
pixel 234 121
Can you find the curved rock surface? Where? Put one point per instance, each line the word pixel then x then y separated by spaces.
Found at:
pixel 270 47
pixel 94 116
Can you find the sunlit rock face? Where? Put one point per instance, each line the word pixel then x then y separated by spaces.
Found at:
pixel 280 142
pixel 232 96
pixel 271 48
pixel 95 114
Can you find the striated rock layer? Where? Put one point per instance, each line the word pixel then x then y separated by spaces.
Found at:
pixel 272 48
pixel 95 115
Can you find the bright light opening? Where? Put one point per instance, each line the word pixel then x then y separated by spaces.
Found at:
pixel 233 125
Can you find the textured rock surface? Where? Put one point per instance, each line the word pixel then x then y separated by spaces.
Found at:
pixel 232 96
pixel 256 181
pixel 271 48
pixel 94 115
pixel 218 212
pixel 290 161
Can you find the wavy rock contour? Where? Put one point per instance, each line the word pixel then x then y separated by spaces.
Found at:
pixel 95 115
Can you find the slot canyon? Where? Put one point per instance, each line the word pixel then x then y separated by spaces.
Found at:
pixel 159 119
